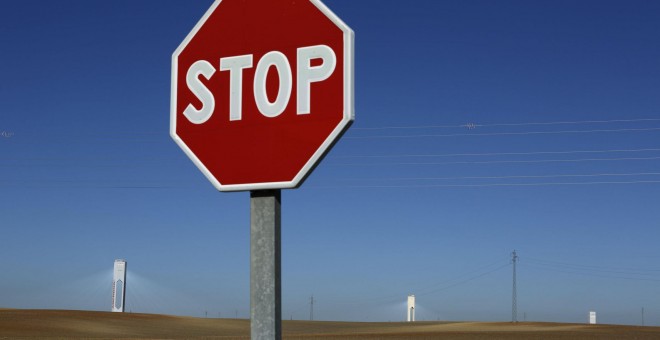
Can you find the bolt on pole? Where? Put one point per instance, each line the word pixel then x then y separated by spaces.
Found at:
pixel 265 265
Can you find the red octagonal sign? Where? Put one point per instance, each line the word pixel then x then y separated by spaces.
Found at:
pixel 261 90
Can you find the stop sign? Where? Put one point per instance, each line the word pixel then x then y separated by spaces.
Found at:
pixel 261 90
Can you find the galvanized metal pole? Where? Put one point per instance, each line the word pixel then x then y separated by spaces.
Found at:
pixel 265 265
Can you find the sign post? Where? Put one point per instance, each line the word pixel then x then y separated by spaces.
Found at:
pixel 261 91
pixel 265 265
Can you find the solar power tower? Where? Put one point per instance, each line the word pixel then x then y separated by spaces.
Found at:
pixel 119 286
pixel 411 308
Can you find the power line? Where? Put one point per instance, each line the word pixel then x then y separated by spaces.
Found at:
pixel 393 186
pixel 511 161
pixel 607 269
pixel 99 184
pixel 499 177
pixel 587 273
pixel 505 133
pixel 143 160
pixel 435 287
pixel 474 125
pixel 478 271
pixel 470 125
pixel 595 275
pixel 464 281
pixel 152 159
pixel 484 185
pixel 502 153
pixel 42 186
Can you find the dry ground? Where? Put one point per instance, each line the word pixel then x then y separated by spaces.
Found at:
pixel 50 324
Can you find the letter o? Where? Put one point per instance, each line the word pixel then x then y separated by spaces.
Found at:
pixel 279 60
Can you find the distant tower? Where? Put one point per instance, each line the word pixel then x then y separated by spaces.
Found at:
pixel 119 286
pixel 311 308
pixel 411 308
pixel 514 297
pixel 592 318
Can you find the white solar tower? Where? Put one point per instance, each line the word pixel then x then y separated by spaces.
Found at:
pixel 119 286
pixel 411 308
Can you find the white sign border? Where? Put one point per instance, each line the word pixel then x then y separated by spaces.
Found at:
pixel 306 170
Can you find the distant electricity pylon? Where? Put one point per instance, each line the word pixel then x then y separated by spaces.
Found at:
pixel 311 308
pixel 642 316
pixel 514 300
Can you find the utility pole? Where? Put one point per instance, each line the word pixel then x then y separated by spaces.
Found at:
pixel 642 316
pixel 311 308
pixel 514 300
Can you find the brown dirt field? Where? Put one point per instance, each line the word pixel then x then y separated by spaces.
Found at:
pixel 56 324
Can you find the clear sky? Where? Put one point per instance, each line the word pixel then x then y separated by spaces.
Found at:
pixel 481 127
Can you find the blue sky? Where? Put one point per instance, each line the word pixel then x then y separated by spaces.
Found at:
pixel 481 127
